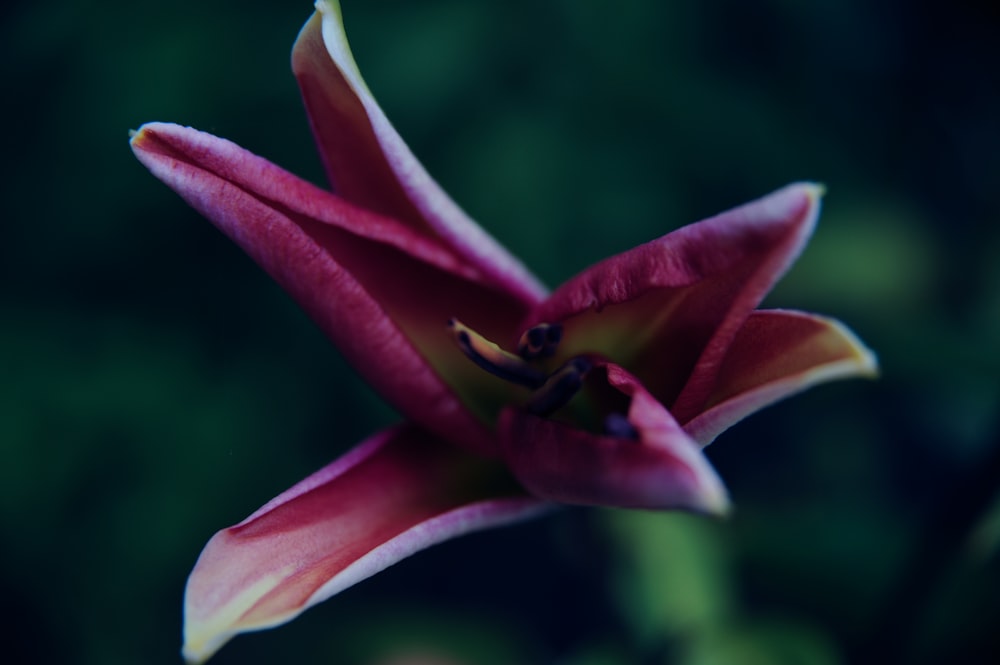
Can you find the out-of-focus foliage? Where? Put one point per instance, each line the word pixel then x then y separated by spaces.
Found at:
pixel 155 386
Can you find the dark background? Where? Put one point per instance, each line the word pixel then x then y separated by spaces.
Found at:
pixel 156 386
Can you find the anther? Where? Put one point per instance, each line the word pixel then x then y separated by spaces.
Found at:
pixel 618 425
pixel 493 359
pixel 560 388
pixel 540 341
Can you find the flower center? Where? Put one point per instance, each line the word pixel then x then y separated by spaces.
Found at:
pixel 551 390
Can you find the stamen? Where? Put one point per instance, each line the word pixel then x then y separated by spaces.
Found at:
pixel 493 359
pixel 560 388
pixel 617 425
pixel 540 341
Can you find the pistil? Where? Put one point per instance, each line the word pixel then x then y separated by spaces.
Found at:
pixel 617 425
pixel 540 341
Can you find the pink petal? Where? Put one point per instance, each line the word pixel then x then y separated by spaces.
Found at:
pixel 663 469
pixel 397 493
pixel 370 165
pixel 776 354
pixel 668 310
pixel 381 291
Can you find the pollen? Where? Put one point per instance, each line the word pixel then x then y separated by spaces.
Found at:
pixel 540 341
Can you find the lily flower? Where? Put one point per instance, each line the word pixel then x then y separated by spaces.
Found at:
pixel 603 392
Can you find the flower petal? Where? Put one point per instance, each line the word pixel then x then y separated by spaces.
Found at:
pixel 381 291
pixel 397 493
pixel 778 353
pixel 370 165
pixel 668 310
pixel 663 468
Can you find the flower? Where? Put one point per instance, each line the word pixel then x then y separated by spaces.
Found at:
pixel 602 392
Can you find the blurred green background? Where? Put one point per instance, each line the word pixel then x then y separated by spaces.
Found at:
pixel 156 386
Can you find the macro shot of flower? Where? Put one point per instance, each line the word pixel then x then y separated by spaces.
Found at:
pixel 445 268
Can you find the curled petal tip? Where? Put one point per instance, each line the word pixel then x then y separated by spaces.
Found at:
pixel 134 136
pixel 702 490
pixel 199 651
pixel 137 135
pixel 815 190
pixel 713 499
pixel 863 362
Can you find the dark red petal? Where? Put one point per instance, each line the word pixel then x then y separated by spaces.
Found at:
pixel 778 353
pixel 663 468
pixel 370 165
pixel 381 291
pixel 395 494
pixel 669 309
